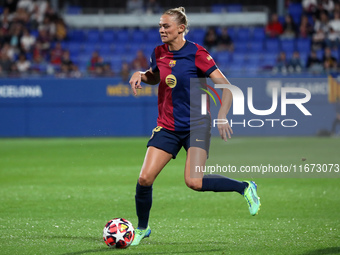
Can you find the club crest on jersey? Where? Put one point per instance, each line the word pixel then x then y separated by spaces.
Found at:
pixel 171 80
pixel 172 63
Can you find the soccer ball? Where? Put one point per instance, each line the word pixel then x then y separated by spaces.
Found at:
pixel 118 233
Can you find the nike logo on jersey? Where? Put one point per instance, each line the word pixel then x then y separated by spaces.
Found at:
pixel 162 57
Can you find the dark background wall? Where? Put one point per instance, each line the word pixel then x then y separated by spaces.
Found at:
pixel 164 3
pixel 168 3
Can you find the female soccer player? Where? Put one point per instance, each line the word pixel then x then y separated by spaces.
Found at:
pixel 172 66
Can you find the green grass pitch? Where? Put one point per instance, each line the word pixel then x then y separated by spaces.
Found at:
pixel 56 195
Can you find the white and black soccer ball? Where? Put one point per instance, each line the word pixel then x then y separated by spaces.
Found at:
pixel 118 233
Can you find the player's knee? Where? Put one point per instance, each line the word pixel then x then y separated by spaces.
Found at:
pixel 145 180
pixel 194 183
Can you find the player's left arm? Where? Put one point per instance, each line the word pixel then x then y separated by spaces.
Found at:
pixel 224 129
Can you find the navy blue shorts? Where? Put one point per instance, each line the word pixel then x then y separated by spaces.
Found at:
pixel 172 141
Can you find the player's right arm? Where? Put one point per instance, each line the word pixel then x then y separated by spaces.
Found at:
pixel 148 77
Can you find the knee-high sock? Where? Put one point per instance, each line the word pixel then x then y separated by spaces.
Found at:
pixel 219 183
pixel 143 200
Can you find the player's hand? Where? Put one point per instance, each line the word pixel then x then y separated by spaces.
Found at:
pixel 224 129
pixel 135 81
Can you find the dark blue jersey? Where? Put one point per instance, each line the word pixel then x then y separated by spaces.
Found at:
pixel 176 68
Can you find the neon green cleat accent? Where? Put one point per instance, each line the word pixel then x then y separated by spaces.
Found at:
pixel 250 195
pixel 140 234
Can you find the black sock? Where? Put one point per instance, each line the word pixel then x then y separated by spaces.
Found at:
pixel 143 200
pixel 219 183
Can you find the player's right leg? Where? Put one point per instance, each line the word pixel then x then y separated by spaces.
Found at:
pixel 154 162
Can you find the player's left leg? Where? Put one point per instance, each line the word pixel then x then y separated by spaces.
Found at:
pixel 155 160
pixel 195 179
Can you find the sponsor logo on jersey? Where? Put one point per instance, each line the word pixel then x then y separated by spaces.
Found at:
pixel 172 63
pixel 171 80
pixel 209 57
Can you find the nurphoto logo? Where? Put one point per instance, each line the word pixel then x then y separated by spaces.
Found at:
pixel 239 105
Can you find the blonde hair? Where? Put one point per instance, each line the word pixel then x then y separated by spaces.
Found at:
pixel 180 17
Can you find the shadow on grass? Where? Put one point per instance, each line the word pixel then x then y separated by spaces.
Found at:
pixel 133 250
pixel 86 238
pixel 105 249
pixel 325 251
pixel 147 253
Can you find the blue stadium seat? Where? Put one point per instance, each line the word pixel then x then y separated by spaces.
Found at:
pixel 214 54
pixel 232 32
pixel 234 8
pixel 107 58
pixel 148 49
pixel 35 33
pixel 289 55
pixel 254 58
pixel 29 56
pixel 76 35
pixel 89 48
pixel 319 54
pixel 152 36
pixel 122 49
pixel 304 58
pixel 223 58
pixel 224 67
pixel 243 34
pixel 82 66
pixel 108 36
pixel 104 51
pixel 288 45
pixel 281 19
pixel 118 48
pixel 240 47
pixel 108 45
pixel 269 59
pixel 303 45
pixel 258 34
pixel 198 35
pixel 64 44
pixel 218 8
pixel 272 45
pixel 133 48
pixel 235 69
pixel 251 68
pixel 93 36
pixel 138 36
pixel 83 59
pixel 74 55
pixel 122 36
pixel 256 46
pixel 335 54
pixel 74 47
pixel 190 36
pixel 73 10
pixel 238 58
pixel 295 10
pixel 128 57
pixel 116 64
